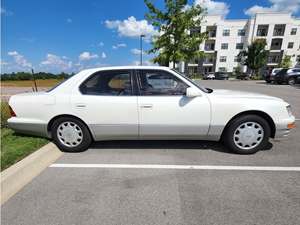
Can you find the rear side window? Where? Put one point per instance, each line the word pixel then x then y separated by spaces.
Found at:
pixel 109 83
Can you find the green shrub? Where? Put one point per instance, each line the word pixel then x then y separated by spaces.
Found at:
pixel 5 114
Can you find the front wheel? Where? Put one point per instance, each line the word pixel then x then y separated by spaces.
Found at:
pixel 71 135
pixel 247 134
pixel 292 81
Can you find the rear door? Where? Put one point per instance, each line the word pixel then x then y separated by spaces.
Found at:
pixel 107 103
pixel 165 111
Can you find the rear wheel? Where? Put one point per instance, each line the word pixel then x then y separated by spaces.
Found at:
pixel 247 134
pixel 71 135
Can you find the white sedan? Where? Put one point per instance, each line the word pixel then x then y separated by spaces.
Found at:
pixel 129 103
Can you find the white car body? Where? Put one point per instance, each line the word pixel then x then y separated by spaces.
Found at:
pixel 201 117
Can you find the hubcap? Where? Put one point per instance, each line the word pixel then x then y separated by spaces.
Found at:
pixel 248 135
pixel 69 134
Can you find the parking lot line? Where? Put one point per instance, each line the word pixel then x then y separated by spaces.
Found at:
pixel 179 167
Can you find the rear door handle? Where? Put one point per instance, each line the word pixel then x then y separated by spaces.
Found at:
pixel 147 106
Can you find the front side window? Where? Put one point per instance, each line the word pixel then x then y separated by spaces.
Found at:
pixel 155 82
pixel 109 83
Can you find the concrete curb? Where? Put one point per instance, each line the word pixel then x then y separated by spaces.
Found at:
pixel 14 178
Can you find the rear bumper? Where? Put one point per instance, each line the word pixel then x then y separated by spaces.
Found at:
pixel 28 127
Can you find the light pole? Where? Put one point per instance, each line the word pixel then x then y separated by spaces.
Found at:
pixel 141 47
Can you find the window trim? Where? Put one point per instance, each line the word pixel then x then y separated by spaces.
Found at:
pixel 103 71
pixel 138 81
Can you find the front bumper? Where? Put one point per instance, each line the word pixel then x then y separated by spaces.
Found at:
pixel 30 127
pixel 282 128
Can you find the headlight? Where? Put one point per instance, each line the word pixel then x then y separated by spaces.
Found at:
pixel 289 110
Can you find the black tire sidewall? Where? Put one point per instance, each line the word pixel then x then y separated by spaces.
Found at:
pixel 229 132
pixel 84 145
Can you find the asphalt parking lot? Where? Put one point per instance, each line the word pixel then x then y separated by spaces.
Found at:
pixel 163 194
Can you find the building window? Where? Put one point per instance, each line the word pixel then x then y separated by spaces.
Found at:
pixel 211 31
pixel 194 31
pixel 237 58
pixel 290 44
pixel 226 32
pixel 223 58
pixel 239 46
pixel 276 44
pixel 224 46
pixel 262 30
pixel 241 32
pixel 209 45
pixel 279 30
pixel 222 69
pixel 294 31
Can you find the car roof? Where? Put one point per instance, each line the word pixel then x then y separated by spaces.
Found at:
pixel 92 70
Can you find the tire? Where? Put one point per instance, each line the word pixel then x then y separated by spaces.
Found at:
pixel 74 135
pixel 279 82
pixel 268 81
pixel 292 81
pixel 258 133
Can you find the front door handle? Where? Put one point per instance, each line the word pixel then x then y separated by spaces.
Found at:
pixel 147 106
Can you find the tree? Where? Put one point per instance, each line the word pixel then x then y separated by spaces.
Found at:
pixel 174 43
pixel 286 62
pixel 255 57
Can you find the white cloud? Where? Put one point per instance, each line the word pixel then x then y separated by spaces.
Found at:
pixel 121 45
pixel 69 20
pixel 57 62
pixel 136 51
pixel 84 56
pixel 131 27
pixel 19 59
pixel 103 55
pixel 292 6
pixel 3 63
pixel 214 7
pixel 100 44
pixel 145 63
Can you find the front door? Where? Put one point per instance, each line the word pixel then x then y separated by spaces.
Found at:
pixel 105 101
pixel 166 112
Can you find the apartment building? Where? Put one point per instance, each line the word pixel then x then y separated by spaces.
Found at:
pixel 227 38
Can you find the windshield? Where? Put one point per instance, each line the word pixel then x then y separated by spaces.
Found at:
pixel 206 90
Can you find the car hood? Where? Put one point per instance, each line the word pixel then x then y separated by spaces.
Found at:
pixel 221 93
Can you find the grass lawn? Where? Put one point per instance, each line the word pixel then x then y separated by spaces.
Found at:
pixel 29 83
pixel 15 147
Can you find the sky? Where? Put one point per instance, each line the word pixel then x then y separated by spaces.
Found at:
pixel 71 35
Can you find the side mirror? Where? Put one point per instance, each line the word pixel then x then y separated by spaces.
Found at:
pixel 192 92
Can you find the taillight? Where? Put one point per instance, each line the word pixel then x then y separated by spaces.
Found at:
pixel 12 113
